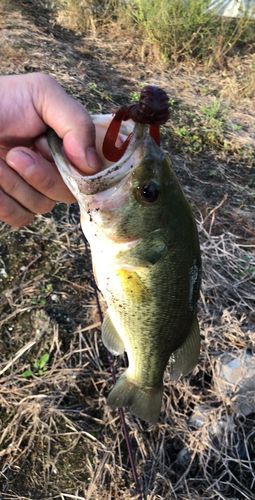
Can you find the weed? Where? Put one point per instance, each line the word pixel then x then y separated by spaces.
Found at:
pixel 245 268
pixel 92 86
pixel 135 96
pixel 206 90
pixel 237 127
pixel 39 366
pixel 44 292
pixel 184 29
pixel 177 29
pixel 205 129
pixel 214 110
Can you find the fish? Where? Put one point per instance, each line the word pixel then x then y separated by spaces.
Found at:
pixel 146 260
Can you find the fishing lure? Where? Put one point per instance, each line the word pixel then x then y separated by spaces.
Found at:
pixel 152 109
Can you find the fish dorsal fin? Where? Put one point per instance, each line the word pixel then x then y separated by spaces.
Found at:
pixel 110 336
pixel 184 359
pixel 132 286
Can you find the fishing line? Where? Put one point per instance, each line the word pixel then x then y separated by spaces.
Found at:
pixel 122 417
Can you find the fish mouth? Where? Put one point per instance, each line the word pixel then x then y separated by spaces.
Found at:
pixel 112 173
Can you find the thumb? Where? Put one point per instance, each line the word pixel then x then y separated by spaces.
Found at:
pixel 71 122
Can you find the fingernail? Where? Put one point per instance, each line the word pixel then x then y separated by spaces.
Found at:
pixel 21 162
pixel 93 159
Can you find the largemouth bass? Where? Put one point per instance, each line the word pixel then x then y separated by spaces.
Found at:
pixel 146 259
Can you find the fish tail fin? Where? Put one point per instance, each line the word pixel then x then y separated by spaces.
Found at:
pixel 144 402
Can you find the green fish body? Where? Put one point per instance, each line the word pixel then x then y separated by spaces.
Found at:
pixel 147 264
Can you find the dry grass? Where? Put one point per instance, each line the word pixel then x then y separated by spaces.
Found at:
pixel 58 425
pixel 175 31
pixel 58 438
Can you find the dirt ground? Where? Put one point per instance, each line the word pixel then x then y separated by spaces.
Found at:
pixel 58 438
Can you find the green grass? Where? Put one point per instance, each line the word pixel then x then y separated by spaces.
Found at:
pixel 185 29
pixel 202 128
pixel 180 29
pixel 38 366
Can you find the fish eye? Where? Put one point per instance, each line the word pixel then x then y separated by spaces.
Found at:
pixel 148 193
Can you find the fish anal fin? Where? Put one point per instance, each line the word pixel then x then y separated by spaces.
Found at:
pixel 144 402
pixel 184 359
pixel 132 286
pixel 110 336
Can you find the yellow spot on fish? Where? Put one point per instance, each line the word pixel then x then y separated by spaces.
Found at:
pixel 132 286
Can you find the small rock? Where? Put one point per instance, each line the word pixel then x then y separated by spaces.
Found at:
pixel 198 417
pixel 3 272
pixel 235 378
pixel 184 457
pixel 55 297
pixel 215 423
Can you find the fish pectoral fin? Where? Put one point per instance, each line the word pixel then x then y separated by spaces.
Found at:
pixel 144 402
pixel 110 336
pixel 132 286
pixel 184 359
pixel 146 253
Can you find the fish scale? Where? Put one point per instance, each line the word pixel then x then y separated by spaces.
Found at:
pixel 147 263
pixel 133 319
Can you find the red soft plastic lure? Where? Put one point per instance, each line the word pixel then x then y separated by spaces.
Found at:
pixel 152 109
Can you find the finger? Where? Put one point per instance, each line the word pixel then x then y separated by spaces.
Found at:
pixel 17 189
pixel 71 122
pixel 12 213
pixel 39 173
pixel 3 153
pixel 42 146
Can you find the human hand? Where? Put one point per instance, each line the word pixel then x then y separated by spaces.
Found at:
pixel 29 180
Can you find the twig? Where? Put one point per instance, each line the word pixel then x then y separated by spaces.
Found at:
pixel 212 212
pixel 18 355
